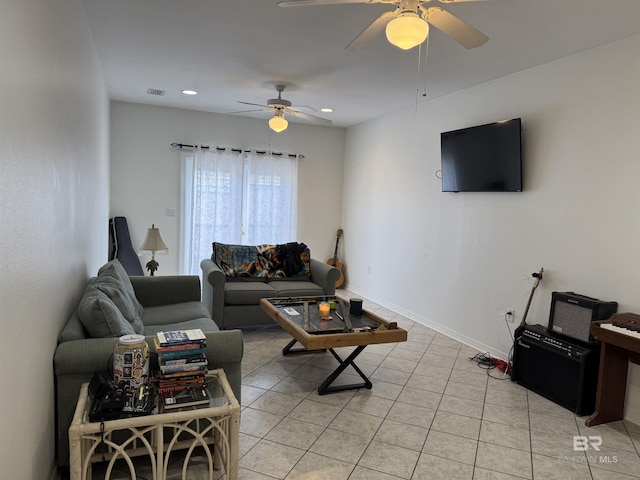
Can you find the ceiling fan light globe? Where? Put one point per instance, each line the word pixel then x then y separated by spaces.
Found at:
pixel 407 30
pixel 278 124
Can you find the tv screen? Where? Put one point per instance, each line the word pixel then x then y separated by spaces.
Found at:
pixel 485 158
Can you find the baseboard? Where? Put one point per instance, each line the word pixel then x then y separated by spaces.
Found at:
pixel 635 419
pixel 427 322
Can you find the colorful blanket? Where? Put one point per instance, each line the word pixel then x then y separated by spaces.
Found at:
pixel 266 261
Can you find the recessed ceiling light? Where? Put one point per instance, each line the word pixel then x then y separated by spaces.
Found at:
pixel 326 110
pixel 189 92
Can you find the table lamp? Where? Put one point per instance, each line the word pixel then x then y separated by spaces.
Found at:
pixel 153 243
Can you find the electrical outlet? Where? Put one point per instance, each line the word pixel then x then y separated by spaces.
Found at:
pixel 510 314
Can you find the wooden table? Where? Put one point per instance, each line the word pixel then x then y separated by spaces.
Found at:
pixel 616 352
pixel 157 436
pixel 313 338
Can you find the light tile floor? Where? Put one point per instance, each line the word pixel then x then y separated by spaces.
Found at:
pixel 432 414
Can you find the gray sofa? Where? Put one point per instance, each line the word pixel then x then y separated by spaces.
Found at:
pixel 114 304
pixel 232 295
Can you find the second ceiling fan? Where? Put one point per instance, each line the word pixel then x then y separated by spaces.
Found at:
pixel 408 25
pixel 279 106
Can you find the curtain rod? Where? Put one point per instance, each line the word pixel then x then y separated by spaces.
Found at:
pixel 238 150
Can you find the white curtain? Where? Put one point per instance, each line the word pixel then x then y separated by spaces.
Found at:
pixel 246 198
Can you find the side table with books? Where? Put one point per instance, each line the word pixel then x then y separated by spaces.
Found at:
pixel 194 408
pixel 158 436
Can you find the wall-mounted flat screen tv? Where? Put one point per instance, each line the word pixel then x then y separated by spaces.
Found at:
pixel 484 158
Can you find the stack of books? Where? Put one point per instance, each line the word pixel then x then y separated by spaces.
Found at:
pixel 183 368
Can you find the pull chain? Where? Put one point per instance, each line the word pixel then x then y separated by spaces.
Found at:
pixel 426 55
pixel 422 65
pixel 418 76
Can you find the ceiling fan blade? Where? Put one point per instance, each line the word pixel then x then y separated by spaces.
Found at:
pixel 307 116
pixel 249 111
pixel 298 3
pixel 450 25
pixel 254 104
pixel 372 30
pixel 305 106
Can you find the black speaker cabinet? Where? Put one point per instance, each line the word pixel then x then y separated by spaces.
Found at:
pixel 571 314
pixel 559 369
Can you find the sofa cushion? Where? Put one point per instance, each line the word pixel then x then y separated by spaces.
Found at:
pixel 115 270
pixel 174 313
pixel 292 288
pixel 247 293
pixel 73 329
pixel 100 316
pixel 114 289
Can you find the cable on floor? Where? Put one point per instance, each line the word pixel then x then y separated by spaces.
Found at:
pixel 488 363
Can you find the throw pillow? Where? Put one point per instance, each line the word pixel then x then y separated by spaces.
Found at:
pixel 100 316
pixel 115 269
pixel 114 289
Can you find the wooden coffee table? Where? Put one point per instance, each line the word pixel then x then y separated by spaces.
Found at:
pixel 301 319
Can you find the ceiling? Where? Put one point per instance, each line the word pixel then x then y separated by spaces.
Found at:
pixel 239 49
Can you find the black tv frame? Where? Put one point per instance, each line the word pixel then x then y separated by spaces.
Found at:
pixel 483 158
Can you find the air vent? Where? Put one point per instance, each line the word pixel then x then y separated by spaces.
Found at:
pixel 155 91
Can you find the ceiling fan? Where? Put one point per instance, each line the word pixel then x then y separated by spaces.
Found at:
pixel 279 106
pixel 408 25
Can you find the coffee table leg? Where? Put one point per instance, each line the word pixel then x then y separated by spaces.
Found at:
pixel 326 385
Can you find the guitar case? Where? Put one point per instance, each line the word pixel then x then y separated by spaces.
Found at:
pixel 121 247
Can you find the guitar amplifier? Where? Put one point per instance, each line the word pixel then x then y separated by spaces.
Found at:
pixel 564 371
pixel 571 314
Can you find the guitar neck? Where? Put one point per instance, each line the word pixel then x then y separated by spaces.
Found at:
pixel 538 278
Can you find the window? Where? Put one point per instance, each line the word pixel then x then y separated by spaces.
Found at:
pixel 246 198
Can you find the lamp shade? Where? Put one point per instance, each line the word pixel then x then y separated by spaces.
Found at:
pixel 153 242
pixel 407 30
pixel 278 123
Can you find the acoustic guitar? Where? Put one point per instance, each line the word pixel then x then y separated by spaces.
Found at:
pixel 335 263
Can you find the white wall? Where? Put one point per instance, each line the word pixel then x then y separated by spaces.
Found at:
pixel 145 170
pixel 53 210
pixel 455 261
